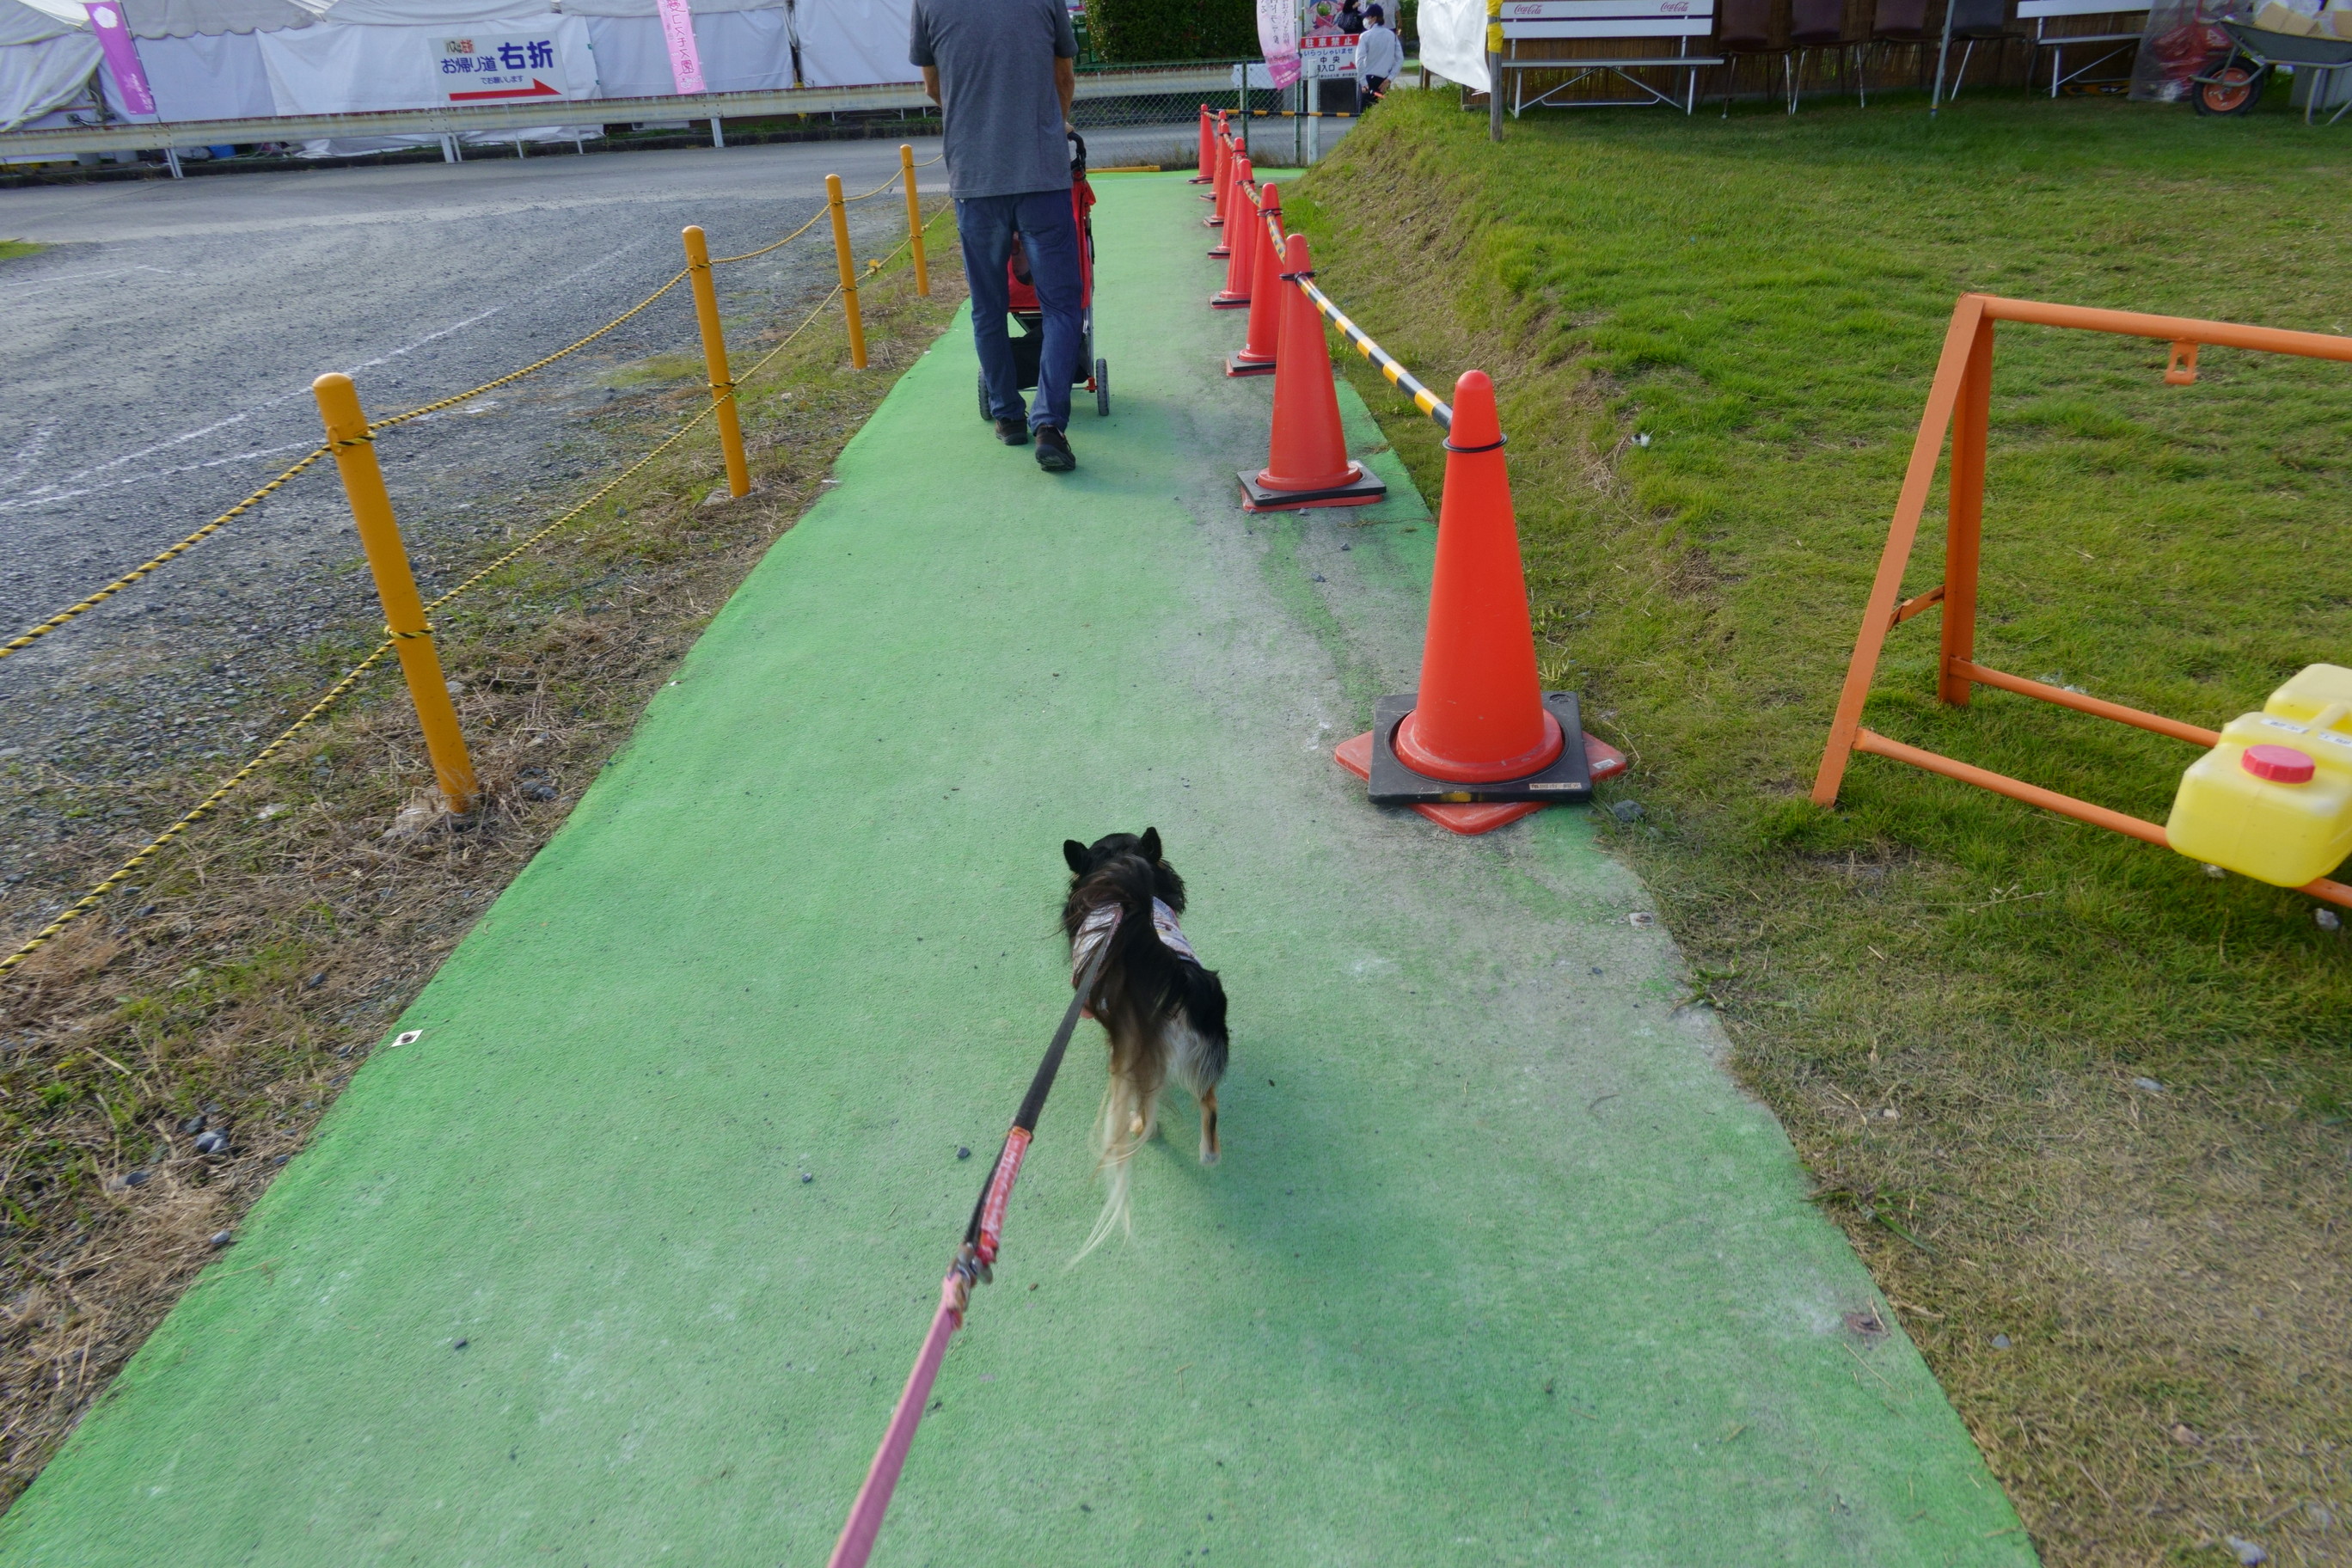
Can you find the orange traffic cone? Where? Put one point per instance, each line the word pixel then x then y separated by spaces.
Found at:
pixel 1228 202
pixel 1481 729
pixel 1258 355
pixel 1217 191
pixel 1306 457
pixel 1207 171
pixel 1241 248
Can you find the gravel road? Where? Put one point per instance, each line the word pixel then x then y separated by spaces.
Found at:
pixel 159 357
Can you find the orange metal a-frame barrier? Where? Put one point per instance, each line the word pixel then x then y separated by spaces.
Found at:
pixel 1961 401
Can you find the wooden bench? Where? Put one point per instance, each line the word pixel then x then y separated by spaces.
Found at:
pixel 1616 25
pixel 2069 14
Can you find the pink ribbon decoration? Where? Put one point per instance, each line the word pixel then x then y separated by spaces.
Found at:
pixel 677 32
pixel 121 52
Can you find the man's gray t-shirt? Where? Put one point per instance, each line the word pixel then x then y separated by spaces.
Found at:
pixel 995 59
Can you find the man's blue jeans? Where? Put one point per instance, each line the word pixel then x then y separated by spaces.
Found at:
pixel 1049 232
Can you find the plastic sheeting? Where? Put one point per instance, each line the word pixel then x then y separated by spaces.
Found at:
pixel 1453 40
pixel 853 43
pixel 40 77
pixel 2179 41
pixel 742 52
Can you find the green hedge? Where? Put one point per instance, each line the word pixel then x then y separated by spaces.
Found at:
pixel 1135 32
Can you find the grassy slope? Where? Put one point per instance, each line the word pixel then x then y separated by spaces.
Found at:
pixel 1946 996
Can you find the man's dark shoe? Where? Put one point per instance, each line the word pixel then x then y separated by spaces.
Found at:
pixel 1053 454
pixel 1013 432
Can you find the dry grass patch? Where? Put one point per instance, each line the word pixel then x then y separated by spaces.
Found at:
pixel 232 994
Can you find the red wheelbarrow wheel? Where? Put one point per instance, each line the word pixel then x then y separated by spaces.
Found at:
pixel 2235 89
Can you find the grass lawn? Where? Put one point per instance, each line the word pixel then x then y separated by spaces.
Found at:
pixel 2083 1108
pixel 12 248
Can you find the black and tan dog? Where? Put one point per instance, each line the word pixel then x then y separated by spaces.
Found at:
pixel 1160 1007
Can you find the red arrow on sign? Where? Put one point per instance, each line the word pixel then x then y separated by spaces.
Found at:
pixel 537 89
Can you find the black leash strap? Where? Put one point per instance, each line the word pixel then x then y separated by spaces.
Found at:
pixel 976 1258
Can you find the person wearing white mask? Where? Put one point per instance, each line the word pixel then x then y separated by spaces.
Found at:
pixel 1378 55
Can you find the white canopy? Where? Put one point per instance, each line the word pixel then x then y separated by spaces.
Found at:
pixel 22 23
pixel 173 19
pixel 221 59
pixel 45 63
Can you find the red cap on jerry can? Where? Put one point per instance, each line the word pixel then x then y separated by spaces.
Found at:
pixel 2280 765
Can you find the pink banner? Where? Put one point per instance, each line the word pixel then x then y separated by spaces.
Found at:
pixel 121 52
pixel 1277 39
pixel 677 32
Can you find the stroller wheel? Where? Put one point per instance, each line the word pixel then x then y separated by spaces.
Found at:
pixel 1102 388
pixel 2234 89
pixel 986 417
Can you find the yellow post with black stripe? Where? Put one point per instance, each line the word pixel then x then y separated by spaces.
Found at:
pixel 396 587
pixel 849 270
pixel 915 221
pixel 714 357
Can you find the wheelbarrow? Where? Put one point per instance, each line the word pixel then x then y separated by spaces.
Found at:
pixel 2233 79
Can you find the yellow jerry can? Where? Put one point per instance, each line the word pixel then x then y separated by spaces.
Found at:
pixel 2273 800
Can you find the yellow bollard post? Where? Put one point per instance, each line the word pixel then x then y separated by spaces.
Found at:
pixel 914 220
pixel 849 270
pixel 403 611
pixel 714 356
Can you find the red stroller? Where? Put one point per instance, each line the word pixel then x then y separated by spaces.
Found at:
pixel 1029 343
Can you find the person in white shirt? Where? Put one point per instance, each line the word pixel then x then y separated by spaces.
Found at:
pixel 1379 56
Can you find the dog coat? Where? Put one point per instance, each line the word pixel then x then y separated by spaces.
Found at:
pixel 1098 926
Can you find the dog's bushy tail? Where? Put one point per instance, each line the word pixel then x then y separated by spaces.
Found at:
pixel 1115 1148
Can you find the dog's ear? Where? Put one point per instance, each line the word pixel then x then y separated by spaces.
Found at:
pixel 1075 854
pixel 1149 847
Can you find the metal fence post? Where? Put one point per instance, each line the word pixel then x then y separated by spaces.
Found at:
pixel 1494 70
pixel 396 587
pixel 714 356
pixel 915 221
pixel 849 270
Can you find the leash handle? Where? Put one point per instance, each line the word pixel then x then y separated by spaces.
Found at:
pixel 998 1194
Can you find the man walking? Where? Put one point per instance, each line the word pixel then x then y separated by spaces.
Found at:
pixel 1002 72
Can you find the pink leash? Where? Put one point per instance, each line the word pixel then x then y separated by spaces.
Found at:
pixel 874 1498
pixel 974 1263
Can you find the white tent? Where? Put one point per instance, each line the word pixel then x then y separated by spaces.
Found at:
pixel 848 43
pixel 45 64
pixel 223 60
pixel 745 46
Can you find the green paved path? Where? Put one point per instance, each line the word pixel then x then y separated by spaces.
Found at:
pixel 1499 1267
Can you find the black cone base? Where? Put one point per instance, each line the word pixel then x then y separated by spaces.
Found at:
pixel 1361 490
pixel 1569 777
